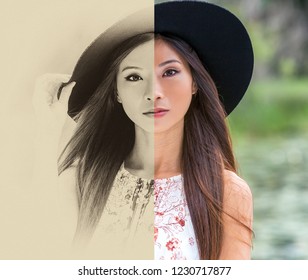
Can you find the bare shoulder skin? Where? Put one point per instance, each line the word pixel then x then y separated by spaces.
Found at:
pixel 237 203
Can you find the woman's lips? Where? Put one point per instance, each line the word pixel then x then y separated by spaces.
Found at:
pixel 157 112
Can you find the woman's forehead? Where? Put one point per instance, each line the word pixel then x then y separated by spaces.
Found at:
pixel 153 51
pixel 164 51
pixel 141 56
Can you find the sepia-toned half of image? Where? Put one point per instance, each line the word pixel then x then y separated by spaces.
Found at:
pixel 40 37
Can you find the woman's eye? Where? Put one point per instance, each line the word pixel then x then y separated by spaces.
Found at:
pixel 170 73
pixel 133 78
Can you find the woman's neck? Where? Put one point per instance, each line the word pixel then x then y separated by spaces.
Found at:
pixel 156 155
pixel 140 161
pixel 168 152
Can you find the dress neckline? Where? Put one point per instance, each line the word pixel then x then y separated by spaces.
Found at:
pixel 175 178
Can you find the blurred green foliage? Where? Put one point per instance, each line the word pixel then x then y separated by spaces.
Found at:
pixel 272 108
pixel 270 126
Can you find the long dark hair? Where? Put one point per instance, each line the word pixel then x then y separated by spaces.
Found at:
pixel 207 152
pixel 103 139
pixel 98 149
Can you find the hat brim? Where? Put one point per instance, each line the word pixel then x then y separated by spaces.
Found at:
pixel 90 67
pixel 220 40
pixel 218 37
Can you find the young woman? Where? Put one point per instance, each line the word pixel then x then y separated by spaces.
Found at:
pixel 153 107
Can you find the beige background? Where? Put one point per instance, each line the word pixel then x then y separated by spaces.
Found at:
pixel 37 37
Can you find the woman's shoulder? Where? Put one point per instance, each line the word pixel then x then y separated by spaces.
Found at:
pixel 237 218
pixel 235 187
pixel 67 184
pixel 68 174
pixel 237 198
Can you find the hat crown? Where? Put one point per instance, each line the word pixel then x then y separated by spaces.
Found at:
pixel 218 37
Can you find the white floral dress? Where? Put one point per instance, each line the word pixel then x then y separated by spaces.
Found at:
pixel 173 230
pixel 129 224
pixel 125 230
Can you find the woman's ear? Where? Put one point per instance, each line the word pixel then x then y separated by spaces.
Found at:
pixel 194 88
pixel 118 98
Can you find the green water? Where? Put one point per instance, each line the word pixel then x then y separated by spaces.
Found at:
pixel 276 170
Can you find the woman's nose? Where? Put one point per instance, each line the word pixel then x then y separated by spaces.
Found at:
pixel 158 91
pixel 149 91
pixel 154 90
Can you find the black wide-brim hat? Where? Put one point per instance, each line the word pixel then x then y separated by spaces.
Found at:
pixel 218 37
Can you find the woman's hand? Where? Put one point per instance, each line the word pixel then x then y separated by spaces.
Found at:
pixel 50 111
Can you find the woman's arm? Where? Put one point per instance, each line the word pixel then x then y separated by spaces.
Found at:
pixel 68 206
pixel 52 192
pixel 51 119
pixel 237 219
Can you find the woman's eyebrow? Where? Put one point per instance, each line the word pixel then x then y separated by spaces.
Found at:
pixel 169 61
pixel 131 67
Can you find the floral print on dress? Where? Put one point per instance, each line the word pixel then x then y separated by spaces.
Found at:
pixel 128 200
pixel 128 217
pixel 173 230
pixel 128 213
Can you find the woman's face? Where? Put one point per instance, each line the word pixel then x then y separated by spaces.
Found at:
pixel 155 87
pixel 173 87
pixel 135 85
